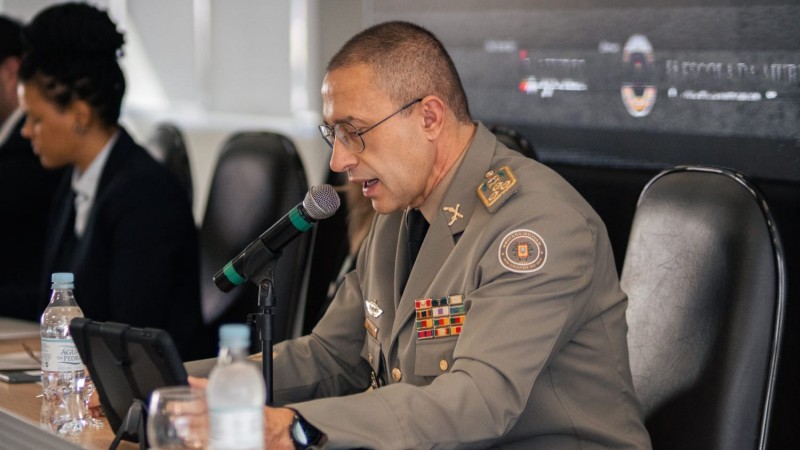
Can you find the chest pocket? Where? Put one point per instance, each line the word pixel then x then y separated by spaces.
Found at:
pixel 434 356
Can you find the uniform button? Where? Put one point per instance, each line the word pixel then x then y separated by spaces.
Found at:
pixel 443 365
pixel 396 374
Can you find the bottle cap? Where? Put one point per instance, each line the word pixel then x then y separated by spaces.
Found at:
pixel 234 335
pixel 62 277
pixel 62 280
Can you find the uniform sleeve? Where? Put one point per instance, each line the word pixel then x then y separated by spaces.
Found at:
pixel 328 361
pixel 515 324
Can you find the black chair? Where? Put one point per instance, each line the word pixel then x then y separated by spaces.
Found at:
pixel 329 249
pixel 258 178
pixel 167 145
pixel 514 140
pixel 705 276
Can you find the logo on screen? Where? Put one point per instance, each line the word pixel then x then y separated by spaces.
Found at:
pixel 638 86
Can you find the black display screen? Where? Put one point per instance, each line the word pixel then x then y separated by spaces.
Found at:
pixel 631 83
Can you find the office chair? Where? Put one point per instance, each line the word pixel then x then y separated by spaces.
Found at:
pixel 512 139
pixel 705 276
pixel 167 145
pixel 328 253
pixel 258 178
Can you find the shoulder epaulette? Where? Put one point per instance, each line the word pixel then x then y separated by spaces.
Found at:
pixel 497 187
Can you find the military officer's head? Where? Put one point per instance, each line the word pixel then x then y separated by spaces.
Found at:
pixel 395 114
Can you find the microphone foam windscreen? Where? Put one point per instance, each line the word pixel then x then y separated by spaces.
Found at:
pixel 321 202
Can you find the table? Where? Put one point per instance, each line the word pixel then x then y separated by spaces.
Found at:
pixel 21 401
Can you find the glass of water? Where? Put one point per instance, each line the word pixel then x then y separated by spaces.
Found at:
pixel 177 419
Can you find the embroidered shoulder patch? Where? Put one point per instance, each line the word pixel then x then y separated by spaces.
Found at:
pixel 522 251
pixel 497 187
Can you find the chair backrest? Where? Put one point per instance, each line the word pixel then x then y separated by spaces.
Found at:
pixel 514 140
pixel 329 249
pixel 258 178
pixel 167 145
pixel 705 276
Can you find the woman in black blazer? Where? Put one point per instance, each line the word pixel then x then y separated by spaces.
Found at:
pixel 120 221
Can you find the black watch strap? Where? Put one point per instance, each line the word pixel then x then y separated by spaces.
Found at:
pixel 304 435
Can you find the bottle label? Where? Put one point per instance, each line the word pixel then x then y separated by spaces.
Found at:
pixel 237 428
pixel 60 355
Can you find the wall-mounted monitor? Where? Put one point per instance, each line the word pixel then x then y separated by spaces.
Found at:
pixel 631 83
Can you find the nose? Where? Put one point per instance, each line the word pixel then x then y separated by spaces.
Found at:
pixel 342 160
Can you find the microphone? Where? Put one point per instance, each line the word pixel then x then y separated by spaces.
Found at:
pixel 320 202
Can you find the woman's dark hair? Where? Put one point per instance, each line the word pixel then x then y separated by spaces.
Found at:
pixel 70 50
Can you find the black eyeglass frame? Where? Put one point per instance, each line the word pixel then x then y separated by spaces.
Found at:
pixel 331 133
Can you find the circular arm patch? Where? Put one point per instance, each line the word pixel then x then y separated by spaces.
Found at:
pixel 522 251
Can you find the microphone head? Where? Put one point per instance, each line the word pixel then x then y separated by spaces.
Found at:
pixel 321 202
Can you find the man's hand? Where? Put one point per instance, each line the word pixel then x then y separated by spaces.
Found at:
pixel 95 409
pixel 276 422
pixel 276 428
pixel 200 383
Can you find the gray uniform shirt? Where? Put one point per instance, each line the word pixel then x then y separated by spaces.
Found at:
pixel 541 358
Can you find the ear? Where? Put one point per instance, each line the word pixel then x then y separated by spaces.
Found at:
pixel 83 115
pixel 433 111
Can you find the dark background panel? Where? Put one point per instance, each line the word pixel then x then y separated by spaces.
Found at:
pixel 726 76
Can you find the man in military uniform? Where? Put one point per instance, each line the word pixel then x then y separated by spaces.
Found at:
pixel 508 332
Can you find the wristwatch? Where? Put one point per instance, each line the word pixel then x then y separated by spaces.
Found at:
pixel 304 435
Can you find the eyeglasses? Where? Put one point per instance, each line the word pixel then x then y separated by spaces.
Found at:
pixel 349 136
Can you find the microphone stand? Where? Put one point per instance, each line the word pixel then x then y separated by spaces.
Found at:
pixel 259 266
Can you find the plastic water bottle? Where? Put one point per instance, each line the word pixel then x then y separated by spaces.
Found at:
pixel 235 394
pixel 62 369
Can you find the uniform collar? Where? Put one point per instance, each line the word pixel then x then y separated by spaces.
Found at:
pixel 457 204
pixel 430 207
pixel 460 195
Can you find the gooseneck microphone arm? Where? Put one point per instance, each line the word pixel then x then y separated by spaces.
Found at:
pixel 250 263
pixel 257 261
pixel 320 203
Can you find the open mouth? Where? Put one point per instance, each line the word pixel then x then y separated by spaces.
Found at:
pixel 368 183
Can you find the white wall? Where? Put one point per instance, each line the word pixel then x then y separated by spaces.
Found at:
pixel 214 67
